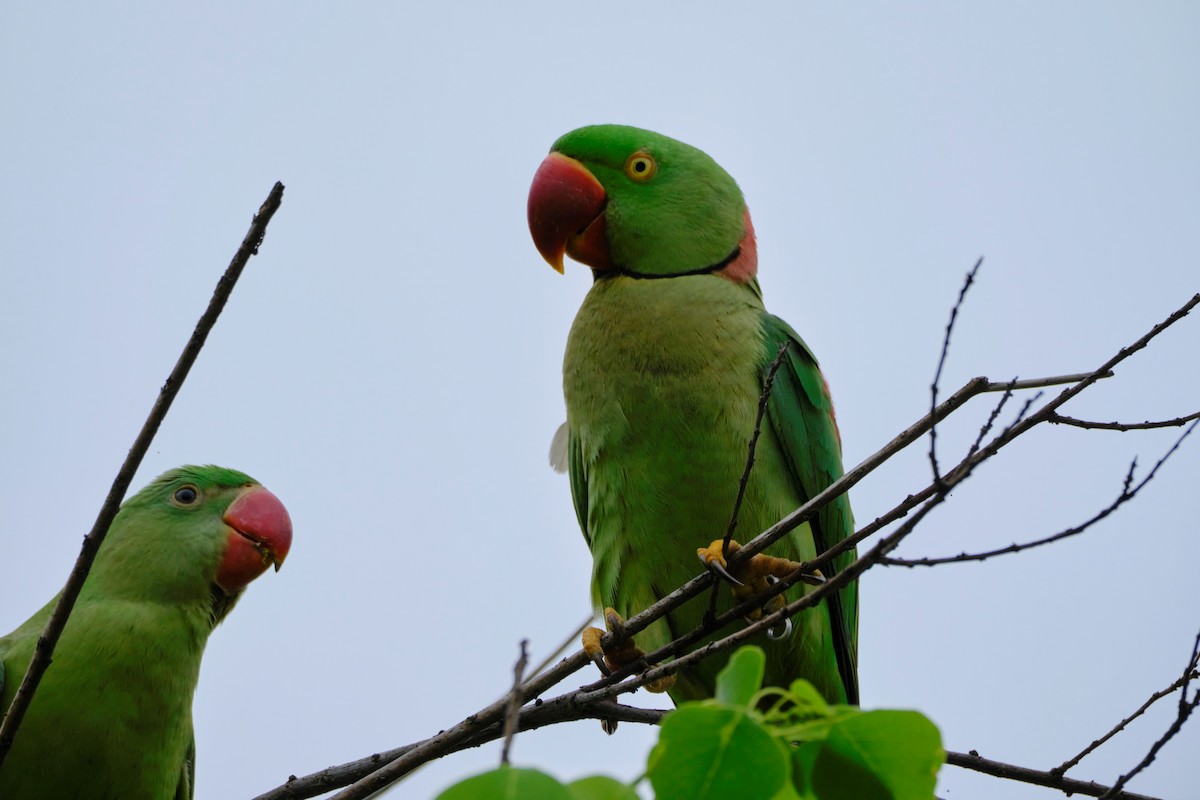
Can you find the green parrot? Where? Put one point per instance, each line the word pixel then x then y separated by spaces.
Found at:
pixel 663 371
pixel 112 717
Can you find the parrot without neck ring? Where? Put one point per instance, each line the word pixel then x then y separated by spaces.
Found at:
pixel 112 717
pixel 662 376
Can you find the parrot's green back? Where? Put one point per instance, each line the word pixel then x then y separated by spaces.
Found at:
pixel 663 373
pixel 112 717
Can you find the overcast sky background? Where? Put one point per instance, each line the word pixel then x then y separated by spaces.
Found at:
pixel 390 365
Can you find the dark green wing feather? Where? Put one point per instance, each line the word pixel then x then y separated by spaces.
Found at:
pixel 578 484
pixel 186 788
pixel 801 415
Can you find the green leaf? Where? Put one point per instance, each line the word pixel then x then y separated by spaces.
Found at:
pixel 804 757
pixel 838 777
pixel 601 787
pixel 508 783
pixel 805 695
pixel 741 677
pixel 711 752
pixel 889 755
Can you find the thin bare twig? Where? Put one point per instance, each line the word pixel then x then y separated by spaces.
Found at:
pixel 986 428
pixel 120 485
pixel 562 648
pixel 1128 492
pixel 1059 419
pixel 763 398
pixel 1120 726
pixel 1041 383
pixel 515 700
pixel 976 762
pixel 1186 707
pixel 937 376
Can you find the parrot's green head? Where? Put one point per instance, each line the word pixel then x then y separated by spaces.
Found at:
pixel 194 533
pixel 630 201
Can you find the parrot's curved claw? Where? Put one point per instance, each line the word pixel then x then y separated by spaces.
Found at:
pixel 593 650
pixel 713 559
pixel 814 578
pixel 719 569
pixel 775 634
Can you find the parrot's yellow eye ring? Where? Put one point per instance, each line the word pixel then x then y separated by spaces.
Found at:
pixel 186 496
pixel 640 167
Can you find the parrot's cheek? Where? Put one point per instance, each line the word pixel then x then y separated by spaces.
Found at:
pixel 566 213
pixel 260 535
pixel 591 245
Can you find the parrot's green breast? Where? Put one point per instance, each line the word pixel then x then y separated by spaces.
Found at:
pixel 662 381
pixel 145 724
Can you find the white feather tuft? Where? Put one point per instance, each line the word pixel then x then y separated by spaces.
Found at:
pixel 558 449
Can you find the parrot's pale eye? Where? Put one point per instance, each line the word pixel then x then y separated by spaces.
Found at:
pixel 641 167
pixel 186 495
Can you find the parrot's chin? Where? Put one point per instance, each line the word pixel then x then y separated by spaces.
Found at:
pixel 221 603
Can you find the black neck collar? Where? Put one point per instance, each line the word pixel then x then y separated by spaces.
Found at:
pixel 600 274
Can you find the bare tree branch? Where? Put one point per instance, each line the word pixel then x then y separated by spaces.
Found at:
pixel 976 762
pixel 986 428
pixel 398 763
pixel 1059 419
pixel 1186 707
pixel 1120 726
pixel 937 375
pixel 401 760
pixel 120 485
pixel 1040 383
pixel 515 700
pixel 1127 493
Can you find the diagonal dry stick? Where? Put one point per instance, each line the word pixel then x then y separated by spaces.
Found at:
pixel 375 772
pixel 1120 726
pixel 937 375
pixel 457 736
pixel 120 485
pixel 1186 707
pixel 465 731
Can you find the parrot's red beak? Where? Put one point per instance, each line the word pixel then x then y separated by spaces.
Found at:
pixel 566 213
pixel 261 536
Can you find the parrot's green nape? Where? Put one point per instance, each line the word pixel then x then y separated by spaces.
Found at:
pixel 664 368
pixel 112 717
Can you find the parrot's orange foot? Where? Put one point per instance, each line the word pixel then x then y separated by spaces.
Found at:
pixel 755 577
pixel 621 653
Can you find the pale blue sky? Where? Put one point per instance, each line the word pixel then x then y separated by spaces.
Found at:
pixel 390 365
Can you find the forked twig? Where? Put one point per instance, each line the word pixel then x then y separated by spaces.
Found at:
pixel 515 700
pixel 937 375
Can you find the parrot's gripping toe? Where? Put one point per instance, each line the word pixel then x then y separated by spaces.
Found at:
pixel 594 650
pixel 620 653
